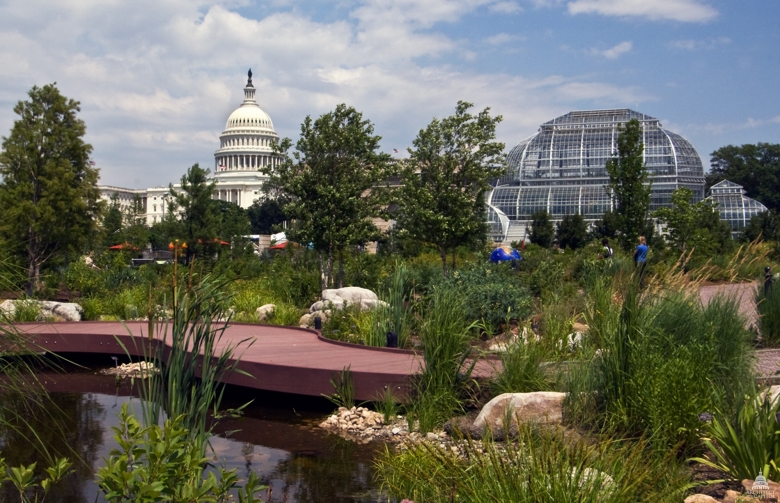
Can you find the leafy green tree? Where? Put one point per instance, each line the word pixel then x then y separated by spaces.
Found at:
pixel 442 198
pixel 755 167
pixel 572 232
pixel 694 226
pixel 332 184
pixel 233 227
pixel 627 183
pixel 542 231
pixel 48 195
pixel 765 226
pixel 198 212
pixel 606 227
pixel 112 223
pixel 266 215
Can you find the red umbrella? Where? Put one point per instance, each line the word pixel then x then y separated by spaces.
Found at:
pixel 123 246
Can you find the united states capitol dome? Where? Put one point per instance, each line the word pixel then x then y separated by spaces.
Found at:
pixel 246 144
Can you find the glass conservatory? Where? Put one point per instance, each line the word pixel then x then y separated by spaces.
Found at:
pixel 734 206
pixel 562 169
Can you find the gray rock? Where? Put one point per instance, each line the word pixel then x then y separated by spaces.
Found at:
pixel 264 311
pixel 537 407
pixel 340 298
pixel 64 311
pixel 67 311
pixel 350 294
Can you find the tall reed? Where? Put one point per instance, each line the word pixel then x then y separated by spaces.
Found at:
pixel 191 382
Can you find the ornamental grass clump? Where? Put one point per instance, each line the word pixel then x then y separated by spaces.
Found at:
pixel 542 466
pixel 668 359
pixel 445 338
pixel 768 307
pixel 521 370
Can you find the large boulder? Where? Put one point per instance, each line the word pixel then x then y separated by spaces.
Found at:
pixel 66 311
pixel 264 311
pixel 538 407
pixel 60 311
pixel 700 498
pixel 339 298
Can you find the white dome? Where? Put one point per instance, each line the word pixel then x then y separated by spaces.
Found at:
pixel 249 115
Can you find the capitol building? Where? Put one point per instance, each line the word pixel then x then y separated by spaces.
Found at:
pixel 245 146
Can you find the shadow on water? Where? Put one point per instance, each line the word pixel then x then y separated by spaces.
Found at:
pixel 277 437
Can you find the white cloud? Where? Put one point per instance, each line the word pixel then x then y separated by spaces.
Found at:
pixel 692 45
pixel 675 10
pixel 502 38
pixel 506 7
pixel 613 52
pixel 158 78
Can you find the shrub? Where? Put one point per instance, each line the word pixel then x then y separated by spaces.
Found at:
pixel 547 278
pixel 492 295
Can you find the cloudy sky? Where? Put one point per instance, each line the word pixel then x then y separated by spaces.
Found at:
pixel 157 78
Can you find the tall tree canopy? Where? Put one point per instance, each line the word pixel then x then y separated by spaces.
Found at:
pixel 627 178
pixel 572 232
pixel 48 195
pixel 442 199
pixel 198 212
pixel 332 184
pixel 694 226
pixel 755 167
pixel 542 231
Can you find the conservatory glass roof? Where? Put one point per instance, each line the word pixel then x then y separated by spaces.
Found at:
pixel 562 168
pixel 734 207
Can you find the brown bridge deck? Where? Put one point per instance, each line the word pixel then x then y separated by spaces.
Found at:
pixel 284 359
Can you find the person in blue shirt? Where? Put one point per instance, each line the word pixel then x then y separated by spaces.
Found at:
pixel 640 258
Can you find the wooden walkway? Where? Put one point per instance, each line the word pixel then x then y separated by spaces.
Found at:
pixel 283 359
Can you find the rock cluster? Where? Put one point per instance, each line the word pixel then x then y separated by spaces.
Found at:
pixel 339 298
pixel 364 425
pixel 47 309
pixel 139 369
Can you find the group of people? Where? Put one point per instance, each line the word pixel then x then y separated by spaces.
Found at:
pixel 640 256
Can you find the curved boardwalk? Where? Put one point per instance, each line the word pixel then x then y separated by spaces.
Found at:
pixel 284 359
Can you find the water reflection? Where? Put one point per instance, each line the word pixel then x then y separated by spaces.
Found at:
pixel 301 462
pixel 69 425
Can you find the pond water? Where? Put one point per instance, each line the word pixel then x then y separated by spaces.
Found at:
pixel 277 438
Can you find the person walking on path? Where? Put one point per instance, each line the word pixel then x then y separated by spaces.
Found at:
pixel 640 259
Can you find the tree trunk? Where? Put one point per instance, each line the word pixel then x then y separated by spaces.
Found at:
pixel 341 267
pixel 443 252
pixel 30 279
pixel 323 274
pixel 454 254
pixel 330 266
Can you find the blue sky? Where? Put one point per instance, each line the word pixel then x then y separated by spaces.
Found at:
pixel 157 78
